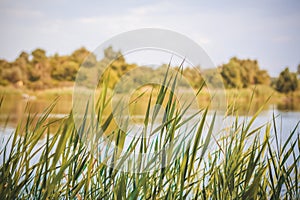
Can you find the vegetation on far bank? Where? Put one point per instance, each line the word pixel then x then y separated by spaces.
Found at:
pixel 36 71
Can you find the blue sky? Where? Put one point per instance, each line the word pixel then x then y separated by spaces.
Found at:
pixel 268 31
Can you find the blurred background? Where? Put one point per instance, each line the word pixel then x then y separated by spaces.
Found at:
pixel 254 44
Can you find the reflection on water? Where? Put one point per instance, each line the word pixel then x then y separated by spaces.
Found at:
pixel 12 113
pixel 289 106
pixel 14 109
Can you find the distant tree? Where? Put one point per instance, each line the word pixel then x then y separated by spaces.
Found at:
pixel 24 56
pixel 262 77
pixel 79 55
pixel 298 69
pixel 37 67
pixel 212 78
pixel 23 63
pixel 13 74
pixel 39 55
pixel 287 82
pixel 249 69
pixel 4 65
pixel 33 74
pixel 193 77
pixel 65 72
pixel 239 73
pixel 90 61
pixel 110 54
pixel 231 73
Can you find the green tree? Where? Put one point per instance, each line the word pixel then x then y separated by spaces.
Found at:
pixel 79 55
pixel 38 67
pixel 12 74
pixel 239 73
pixel 24 56
pixel 262 77
pixel 23 63
pixel 4 65
pixel 287 81
pixel 231 73
pixel 39 55
pixel 193 77
pixel 110 54
pixel 65 72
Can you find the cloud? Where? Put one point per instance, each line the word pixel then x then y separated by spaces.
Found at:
pixel 254 30
pixel 282 39
pixel 204 40
pixel 21 12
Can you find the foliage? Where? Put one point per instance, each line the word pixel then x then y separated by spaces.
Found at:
pixel 13 74
pixel 67 71
pixel 39 71
pixel 242 73
pixel 244 165
pixel 193 76
pixel 287 81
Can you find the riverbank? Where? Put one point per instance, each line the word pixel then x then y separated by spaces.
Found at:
pixel 257 94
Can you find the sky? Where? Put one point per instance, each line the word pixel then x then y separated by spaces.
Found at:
pixel 268 31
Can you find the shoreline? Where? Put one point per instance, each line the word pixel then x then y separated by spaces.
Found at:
pixel 257 94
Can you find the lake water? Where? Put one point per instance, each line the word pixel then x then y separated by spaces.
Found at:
pixel 13 111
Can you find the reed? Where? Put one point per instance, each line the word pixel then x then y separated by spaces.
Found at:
pixel 248 163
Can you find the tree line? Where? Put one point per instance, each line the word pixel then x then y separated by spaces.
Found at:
pixel 38 71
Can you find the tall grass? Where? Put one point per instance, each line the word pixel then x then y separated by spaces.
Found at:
pixel 244 165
